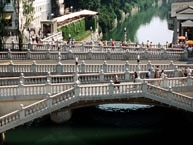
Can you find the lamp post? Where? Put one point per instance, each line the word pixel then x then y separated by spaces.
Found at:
pixel 71 7
pixel 138 66
pixel 125 35
pixel 91 33
pixel 28 29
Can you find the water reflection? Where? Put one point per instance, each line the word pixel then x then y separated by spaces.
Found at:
pixel 156 32
pixel 123 107
pixel 151 24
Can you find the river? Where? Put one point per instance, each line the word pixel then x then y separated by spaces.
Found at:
pixel 149 25
pixel 118 124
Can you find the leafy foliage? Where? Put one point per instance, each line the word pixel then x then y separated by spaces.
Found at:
pixel 109 10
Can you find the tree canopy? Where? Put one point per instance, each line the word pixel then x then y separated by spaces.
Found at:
pixel 109 9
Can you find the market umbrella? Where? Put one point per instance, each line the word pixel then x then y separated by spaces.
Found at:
pixel 181 37
pixel 189 42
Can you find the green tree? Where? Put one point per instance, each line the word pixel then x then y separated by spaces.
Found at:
pixel 28 17
pixel 2 25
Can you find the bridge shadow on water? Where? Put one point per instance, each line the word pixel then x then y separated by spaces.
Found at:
pixel 95 126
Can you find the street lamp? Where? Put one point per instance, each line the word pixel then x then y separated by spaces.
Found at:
pixel 125 35
pixel 91 33
pixel 28 29
pixel 71 9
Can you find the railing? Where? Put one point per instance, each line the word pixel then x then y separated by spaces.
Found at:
pixel 12 69
pixel 84 78
pixel 94 92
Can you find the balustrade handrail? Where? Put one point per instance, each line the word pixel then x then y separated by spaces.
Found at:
pixel 79 92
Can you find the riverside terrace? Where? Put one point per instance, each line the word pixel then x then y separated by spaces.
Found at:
pixel 90 51
pixel 58 68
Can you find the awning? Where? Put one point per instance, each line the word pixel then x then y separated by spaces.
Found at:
pixel 7 16
pixel 187 23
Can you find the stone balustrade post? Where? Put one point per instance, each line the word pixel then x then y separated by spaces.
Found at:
pixel 83 67
pixel 146 54
pixel 149 65
pixel 47 46
pixel 21 111
pixel 144 87
pixel 21 88
pixel 30 46
pixel 163 53
pixel 76 76
pixel 49 100
pixel 126 65
pixel 127 74
pixel 165 82
pixel 70 55
pixel 89 55
pixel 83 46
pixel 105 67
pixel 185 55
pixel 111 87
pixel 28 54
pixel 59 68
pixel 76 89
pixel 48 87
pixel 189 81
pixel 9 55
pixel 170 94
pixel 171 65
pixel 48 54
pixel 64 47
pixel 21 78
pixel 33 66
pixel 49 78
pixel 101 75
pixel 108 54
pixel 176 72
pixel 10 66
